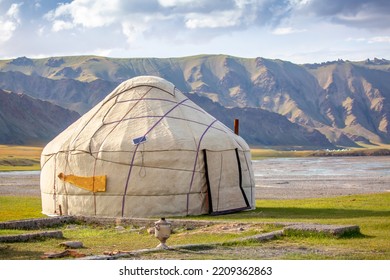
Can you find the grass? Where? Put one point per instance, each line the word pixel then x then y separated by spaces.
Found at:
pixel 258 153
pixel 100 239
pixel 18 208
pixel 15 158
pixel 371 212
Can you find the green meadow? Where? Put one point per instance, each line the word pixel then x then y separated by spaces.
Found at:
pixel 370 212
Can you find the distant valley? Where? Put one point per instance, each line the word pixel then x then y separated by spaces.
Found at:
pixel 279 103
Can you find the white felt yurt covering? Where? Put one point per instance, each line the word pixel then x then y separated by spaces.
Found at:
pixel 159 154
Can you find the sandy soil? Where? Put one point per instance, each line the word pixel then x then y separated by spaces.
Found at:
pixel 279 178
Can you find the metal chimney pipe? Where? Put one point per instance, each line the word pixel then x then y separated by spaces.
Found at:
pixel 236 126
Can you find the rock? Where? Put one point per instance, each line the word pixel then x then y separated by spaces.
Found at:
pixel 31 236
pixel 335 230
pixel 141 230
pixel 52 255
pixel 151 230
pixel 72 244
pixel 120 228
pixel 63 254
pixel 71 227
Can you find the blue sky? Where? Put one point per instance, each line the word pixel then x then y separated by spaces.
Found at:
pixel 301 31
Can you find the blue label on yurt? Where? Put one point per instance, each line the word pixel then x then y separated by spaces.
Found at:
pixel 139 140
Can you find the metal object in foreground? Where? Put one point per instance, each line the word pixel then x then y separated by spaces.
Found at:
pixel 162 232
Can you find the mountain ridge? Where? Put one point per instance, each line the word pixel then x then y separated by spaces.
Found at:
pixel 348 102
pixel 26 120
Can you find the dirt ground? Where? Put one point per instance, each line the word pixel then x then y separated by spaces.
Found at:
pixel 264 251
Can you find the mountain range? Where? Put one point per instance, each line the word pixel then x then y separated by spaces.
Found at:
pixel 279 103
pixel 26 120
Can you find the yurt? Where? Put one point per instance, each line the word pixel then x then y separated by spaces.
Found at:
pixel 146 150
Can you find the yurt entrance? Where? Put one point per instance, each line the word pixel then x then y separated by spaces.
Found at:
pixel 224 182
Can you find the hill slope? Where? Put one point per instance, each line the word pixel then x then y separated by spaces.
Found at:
pixel 25 120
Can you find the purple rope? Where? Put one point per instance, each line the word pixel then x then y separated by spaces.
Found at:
pixel 196 160
pixel 175 118
pixel 149 99
pixel 136 148
pixel 159 99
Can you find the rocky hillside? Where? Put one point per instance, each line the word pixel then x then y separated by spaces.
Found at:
pixel 26 120
pixel 355 100
pixel 263 128
pixel 348 102
pixel 68 93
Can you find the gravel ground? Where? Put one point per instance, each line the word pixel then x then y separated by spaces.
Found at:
pixel 291 178
pixel 20 183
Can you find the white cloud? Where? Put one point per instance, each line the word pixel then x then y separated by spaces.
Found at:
pixel 41 31
pixel 372 14
pixel 300 3
pixel 233 14
pixel 131 25
pixel 184 14
pixel 13 12
pixel 360 39
pixel 59 25
pixel 9 22
pixel 84 13
pixel 173 3
pixel 287 30
pixel 379 39
pixel 6 30
pixel 371 40
pixel 213 20
pixel 132 30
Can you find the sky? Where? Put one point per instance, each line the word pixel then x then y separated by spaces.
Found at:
pixel 300 31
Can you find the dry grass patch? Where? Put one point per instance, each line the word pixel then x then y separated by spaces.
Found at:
pixel 19 157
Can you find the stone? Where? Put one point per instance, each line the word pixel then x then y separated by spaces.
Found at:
pixel 72 244
pixel 31 236
pixel 120 228
pixel 335 230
